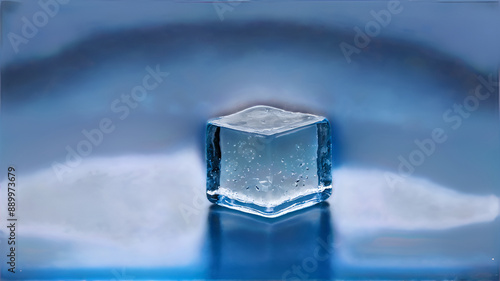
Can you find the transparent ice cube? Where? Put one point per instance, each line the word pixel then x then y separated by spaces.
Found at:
pixel 268 161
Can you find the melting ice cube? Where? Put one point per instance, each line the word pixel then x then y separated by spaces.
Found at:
pixel 268 161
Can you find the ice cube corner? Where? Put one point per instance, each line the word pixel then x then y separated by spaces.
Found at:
pixel 268 161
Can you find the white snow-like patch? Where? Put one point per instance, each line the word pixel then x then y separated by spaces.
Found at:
pixel 363 199
pixel 126 211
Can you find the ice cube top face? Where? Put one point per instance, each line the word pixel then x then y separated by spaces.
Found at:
pixel 268 161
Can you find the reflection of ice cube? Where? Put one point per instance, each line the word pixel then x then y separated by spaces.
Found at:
pixel 274 248
pixel 268 161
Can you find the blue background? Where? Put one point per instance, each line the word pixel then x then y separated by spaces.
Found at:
pixel 135 207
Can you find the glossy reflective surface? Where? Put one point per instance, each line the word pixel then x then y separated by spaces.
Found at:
pixel 416 140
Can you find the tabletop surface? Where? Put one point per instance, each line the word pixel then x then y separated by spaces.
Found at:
pixel 111 177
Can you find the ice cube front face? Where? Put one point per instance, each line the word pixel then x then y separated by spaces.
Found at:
pixel 268 161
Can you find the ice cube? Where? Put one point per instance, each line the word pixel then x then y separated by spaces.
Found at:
pixel 268 161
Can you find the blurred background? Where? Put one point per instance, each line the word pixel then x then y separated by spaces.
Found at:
pixel 103 112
